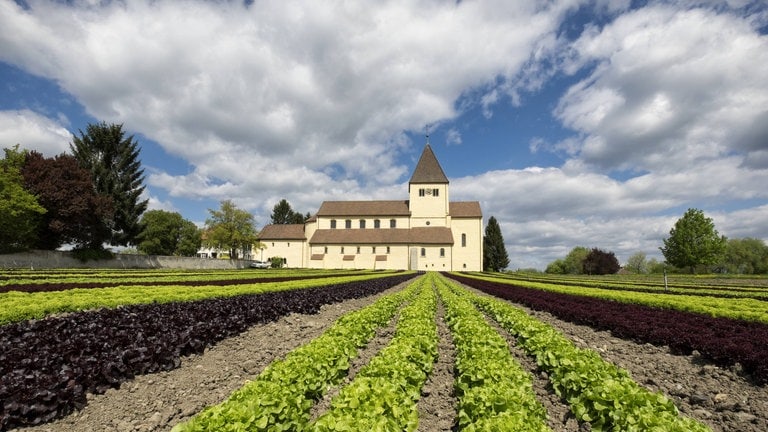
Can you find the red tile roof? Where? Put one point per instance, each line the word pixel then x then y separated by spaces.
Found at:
pixel 428 169
pixel 283 232
pixel 420 235
pixel 465 209
pixel 364 208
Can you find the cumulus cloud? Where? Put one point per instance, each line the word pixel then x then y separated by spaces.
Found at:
pixel 33 131
pixel 276 84
pixel 669 87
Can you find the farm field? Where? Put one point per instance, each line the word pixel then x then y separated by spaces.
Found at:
pixel 717 397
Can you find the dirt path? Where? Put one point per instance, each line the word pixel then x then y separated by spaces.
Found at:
pixel 721 398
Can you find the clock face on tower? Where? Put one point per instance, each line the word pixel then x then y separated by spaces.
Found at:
pixel 428 191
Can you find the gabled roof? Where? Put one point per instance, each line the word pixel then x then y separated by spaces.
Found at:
pixel 419 235
pixel 364 208
pixel 428 169
pixel 283 232
pixel 465 209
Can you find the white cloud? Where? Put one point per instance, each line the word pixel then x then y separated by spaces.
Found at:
pixel 33 131
pixel 453 137
pixel 276 84
pixel 670 87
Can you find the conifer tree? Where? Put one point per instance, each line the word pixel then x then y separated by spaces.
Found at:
pixel 495 256
pixel 113 161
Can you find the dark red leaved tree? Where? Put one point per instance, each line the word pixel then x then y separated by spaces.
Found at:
pixel 600 262
pixel 74 210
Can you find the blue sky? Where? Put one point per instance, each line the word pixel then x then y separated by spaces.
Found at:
pixel 574 123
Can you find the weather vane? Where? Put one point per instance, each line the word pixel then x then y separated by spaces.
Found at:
pixel 426 132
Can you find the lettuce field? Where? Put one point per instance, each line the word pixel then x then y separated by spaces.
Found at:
pixel 309 350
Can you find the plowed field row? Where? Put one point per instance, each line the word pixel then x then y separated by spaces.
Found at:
pixel 719 398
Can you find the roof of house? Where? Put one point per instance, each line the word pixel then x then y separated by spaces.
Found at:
pixel 428 169
pixel 419 235
pixel 283 232
pixel 364 208
pixel 464 209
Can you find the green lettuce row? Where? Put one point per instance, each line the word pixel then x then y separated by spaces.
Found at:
pixel 282 395
pixel 735 308
pixel 494 391
pixel 384 394
pixel 173 275
pixel 598 391
pixel 18 306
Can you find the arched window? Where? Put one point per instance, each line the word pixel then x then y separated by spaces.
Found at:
pixel 463 240
pixel 393 223
pixel 377 223
pixel 442 252
pixel 423 252
pixel 348 223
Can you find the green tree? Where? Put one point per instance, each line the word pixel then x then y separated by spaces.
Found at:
pixel 657 267
pixel 229 228
pixel 495 256
pixel 190 239
pixel 637 263
pixel 282 214
pixel 745 256
pixel 556 267
pixel 574 261
pixel 600 262
pixel 74 210
pixel 693 241
pixel 19 210
pixel 168 233
pixel 113 161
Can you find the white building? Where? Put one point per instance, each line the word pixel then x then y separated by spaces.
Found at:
pixel 425 232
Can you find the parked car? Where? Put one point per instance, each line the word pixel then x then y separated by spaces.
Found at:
pixel 260 264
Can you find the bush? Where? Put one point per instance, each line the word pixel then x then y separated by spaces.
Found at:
pixel 599 262
pixel 92 254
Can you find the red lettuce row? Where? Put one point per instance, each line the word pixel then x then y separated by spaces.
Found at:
pixel 724 341
pixel 47 366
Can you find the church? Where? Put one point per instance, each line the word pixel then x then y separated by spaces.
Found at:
pixel 427 231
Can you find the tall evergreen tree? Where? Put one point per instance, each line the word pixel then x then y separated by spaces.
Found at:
pixel 495 256
pixel 282 213
pixel 113 161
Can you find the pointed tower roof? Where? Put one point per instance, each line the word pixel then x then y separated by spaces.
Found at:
pixel 428 169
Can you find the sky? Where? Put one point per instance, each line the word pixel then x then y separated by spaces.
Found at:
pixel 573 123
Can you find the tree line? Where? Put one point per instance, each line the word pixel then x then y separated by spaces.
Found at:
pixel 693 245
pixel 87 199
pixel 91 198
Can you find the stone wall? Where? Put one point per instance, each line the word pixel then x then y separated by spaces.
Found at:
pixel 58 259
